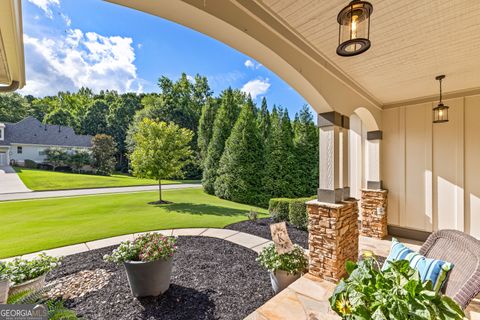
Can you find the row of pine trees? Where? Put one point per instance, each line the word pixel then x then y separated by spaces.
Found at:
pixel 250 155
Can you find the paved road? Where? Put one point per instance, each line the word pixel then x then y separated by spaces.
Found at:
pixel 83 192
pixel 10 181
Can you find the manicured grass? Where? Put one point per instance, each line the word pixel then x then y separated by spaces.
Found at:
pixel 34 225
pixel 41 180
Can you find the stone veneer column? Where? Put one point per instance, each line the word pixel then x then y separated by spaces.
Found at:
pixel 374 213
pixel 333 238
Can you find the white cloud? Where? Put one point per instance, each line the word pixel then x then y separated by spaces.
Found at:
pixel 249 64
pixel 190 78
pixel 256 87
pixel 140 45
pixel 67 20
pixel 45 5
pixel 252 65
pixel 79 60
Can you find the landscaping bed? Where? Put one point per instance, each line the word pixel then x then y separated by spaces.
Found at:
pixel 261 228
pixel 211 279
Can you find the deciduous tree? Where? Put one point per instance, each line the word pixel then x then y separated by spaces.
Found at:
pixel 161 151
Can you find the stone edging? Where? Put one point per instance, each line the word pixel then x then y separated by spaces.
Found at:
pixel 241 238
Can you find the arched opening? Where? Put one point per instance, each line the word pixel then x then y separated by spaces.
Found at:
pixel 360 163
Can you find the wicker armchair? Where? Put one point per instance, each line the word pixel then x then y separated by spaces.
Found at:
pixel 463 283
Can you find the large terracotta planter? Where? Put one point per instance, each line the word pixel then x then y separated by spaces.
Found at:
pixel 281 279
pixel 149 278
pixel 29 285
pixel 4 286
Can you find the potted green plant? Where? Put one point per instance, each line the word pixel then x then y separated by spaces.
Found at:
pixel 30 274
pixel 395 293
pixel 284 268
pixel 148 263
pixel 4 283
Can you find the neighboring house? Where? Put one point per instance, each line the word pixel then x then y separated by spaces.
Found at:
pixel 29 138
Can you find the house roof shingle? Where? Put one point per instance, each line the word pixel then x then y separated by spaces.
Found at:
pixel 32 131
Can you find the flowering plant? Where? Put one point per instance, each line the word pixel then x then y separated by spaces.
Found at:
pixel 293 262
pixel 3 271
pixel 148 247
pixel 21 270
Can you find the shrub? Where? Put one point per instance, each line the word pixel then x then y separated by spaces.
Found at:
pixel 293 262
pixel 395 293
pixel 149 247
pixel 297 212
pixel 252 215
pixel 21 270
pixel 278 209
pixel 30 164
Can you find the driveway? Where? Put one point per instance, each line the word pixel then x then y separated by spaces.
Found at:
pixel 84 192
pixel 10 182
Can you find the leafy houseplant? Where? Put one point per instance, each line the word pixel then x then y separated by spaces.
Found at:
pixel 148 263
pixel 395 293
pixel 30 274
pixel 284 268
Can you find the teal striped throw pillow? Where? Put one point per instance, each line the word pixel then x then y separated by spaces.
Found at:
pixel 429 269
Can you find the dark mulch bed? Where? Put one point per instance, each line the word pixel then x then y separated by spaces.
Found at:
pixel 211 279
pixel 261 228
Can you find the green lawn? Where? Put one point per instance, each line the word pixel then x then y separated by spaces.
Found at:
pixel 33 225
pixel 41 180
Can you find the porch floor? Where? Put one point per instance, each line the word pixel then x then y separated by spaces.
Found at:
pixel 307 298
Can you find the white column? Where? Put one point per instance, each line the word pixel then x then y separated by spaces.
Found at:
pixel 374 180
pixel 345 174
pixel 330 157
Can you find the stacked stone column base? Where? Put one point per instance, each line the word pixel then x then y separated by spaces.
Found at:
pixel 374 213
pixel 333 238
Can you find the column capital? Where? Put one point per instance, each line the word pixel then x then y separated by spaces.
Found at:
pixel 327 119
pixel 375 135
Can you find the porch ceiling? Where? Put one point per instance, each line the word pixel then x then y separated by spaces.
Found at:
pixel 12 66
pixel 412 42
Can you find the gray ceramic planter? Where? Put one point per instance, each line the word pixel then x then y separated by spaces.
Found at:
pixel 281 279
pixel 149 278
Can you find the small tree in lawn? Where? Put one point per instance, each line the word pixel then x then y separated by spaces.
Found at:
pixel 103 154
pixel 79 159
pixel 161 151
pixel 56 157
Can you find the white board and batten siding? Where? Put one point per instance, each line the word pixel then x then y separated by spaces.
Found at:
pixel 432 171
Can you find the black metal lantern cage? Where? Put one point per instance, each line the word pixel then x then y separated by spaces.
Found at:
pixel 354 28
pixel 440 112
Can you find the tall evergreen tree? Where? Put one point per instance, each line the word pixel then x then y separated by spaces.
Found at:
pixel 205 127
pixel 279 180
pixel 224 121
pixel 241 166
pixel 306 153
pixel 263 120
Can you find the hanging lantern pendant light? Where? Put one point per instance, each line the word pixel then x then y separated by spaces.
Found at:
pixel 440 112
pixel 354 28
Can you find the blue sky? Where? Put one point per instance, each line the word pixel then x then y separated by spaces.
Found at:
pixel 71 43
